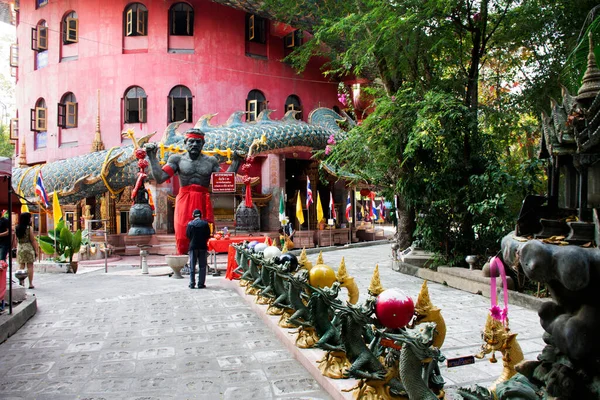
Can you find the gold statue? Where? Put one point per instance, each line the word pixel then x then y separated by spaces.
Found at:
pixel 348 282
pixel 303 261
pixel 498 337
pixel 425 311
pixel 375 287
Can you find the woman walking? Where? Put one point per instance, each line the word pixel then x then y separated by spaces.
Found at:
pixel 26 245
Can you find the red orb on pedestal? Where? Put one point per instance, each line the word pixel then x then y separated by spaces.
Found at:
pixel 394 309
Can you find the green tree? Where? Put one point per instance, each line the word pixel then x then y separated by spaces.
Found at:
pixel 6 147
pixel 448 132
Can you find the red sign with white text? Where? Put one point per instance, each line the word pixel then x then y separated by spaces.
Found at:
pixel 223 182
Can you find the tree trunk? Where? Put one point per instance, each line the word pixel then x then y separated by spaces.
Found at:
pixel 406 225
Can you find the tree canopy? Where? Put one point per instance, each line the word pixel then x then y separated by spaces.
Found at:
pixel 457 87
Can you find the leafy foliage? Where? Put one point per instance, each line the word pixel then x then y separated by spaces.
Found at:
pixel 62 242
pixel 456 89
pixel 6 148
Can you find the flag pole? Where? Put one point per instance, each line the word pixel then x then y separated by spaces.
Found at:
pixel 39 228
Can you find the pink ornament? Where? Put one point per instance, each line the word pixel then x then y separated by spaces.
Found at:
pixel 327 150
pixel 394 309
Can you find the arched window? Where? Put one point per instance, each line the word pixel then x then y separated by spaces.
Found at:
pixel 293 103
pixel 39 123
pixel 39 43
pixel 70 28
pixel 135 105
pixel 67 111
pixel 180 101
pixel 136 20
pixel 255 103
pixel 181 19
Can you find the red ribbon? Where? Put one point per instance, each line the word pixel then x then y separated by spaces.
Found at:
pixel 248 197
pixel 498 314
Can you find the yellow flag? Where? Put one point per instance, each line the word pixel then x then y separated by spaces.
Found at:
pixel 56 211
pixel 24 207
pixel 299 213
pixel 319 208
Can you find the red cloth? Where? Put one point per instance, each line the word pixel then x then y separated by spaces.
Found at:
pixel 190 197
pixel 3 282
pixel 222 245
pixel 231 265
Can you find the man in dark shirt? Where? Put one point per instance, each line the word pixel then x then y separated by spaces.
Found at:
pixel 198 232
pixel 4 238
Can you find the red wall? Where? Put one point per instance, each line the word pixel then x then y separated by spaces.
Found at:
pixel 218 73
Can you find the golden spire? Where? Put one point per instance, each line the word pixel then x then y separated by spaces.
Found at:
pixel 22 156
pixel 375 287
pixel 97 144
pixel 341 272
pixel 591 79
pixel 320 258
pixel 423 301
pixel 303 261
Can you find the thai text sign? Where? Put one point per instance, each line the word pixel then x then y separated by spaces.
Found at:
pixel 457 362
pixel 223 182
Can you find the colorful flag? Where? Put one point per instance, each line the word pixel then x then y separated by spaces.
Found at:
pixel 281 208
pixel 319 208
pixel 299 213
pixel 56 211
pixel 332 212
pixel 382 209
pixel 348 208
pixel 309 196
pixel 373 210
pixel 40 190
pixel 24 207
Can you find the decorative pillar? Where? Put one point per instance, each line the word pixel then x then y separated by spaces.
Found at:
pixel 272 180
pixel 111 224
pixel 22 155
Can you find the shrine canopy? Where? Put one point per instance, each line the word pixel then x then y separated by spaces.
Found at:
pixel 5 174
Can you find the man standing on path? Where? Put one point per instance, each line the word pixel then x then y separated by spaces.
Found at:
pixel 198 233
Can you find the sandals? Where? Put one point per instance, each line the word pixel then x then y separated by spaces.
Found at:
pixel 31 287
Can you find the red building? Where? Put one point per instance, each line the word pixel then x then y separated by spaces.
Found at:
pixel 89 70
pixel 142 65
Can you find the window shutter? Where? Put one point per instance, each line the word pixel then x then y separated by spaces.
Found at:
pixel 129 25
pixel 14 129
pixel 14 55
pixel 289 40
pixel 143 104
pixel 251 27
pixel 33 120
pixel 141 22
pixel 72 35
pixel 40 119
pixel 251 108
pixel 42 38
pixel 188 109
pixel 127 118
pixel 190 22
pixel 172 102
pixel 34 40
pixel 61 115
pixel 71 120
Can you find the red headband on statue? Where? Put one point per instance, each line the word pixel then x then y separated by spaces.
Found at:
pixel 194 135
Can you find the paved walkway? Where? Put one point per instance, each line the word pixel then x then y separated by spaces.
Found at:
pixel 123 335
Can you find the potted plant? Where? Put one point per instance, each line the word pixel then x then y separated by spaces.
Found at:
pixel 62 242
